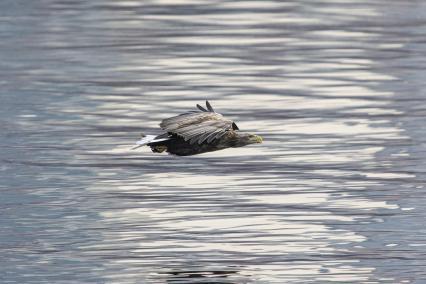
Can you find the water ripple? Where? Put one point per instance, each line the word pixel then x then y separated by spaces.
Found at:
pixel 333 195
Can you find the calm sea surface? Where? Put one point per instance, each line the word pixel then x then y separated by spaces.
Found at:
pixel 335 194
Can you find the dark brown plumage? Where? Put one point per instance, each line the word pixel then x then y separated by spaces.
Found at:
pixel 197 132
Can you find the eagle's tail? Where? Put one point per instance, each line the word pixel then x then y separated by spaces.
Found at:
pixel 146 139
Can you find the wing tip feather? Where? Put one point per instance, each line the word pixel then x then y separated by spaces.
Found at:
pixel 209 106
pixel 201 108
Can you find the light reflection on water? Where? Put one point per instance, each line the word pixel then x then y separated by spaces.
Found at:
pixel 332 195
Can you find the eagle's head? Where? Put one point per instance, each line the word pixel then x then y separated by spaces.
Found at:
pixel 242 139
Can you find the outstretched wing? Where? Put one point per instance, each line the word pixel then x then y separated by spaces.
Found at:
pixel 199 126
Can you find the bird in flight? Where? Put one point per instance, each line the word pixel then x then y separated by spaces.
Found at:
pixel 196 132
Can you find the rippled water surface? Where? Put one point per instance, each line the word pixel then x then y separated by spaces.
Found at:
pixel 335 194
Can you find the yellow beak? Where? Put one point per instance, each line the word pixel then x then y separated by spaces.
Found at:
pixel 257 139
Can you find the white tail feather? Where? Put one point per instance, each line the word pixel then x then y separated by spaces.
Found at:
pixel 148 139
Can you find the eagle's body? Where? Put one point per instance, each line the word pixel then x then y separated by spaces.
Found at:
pixel 178 146
pixel 197 132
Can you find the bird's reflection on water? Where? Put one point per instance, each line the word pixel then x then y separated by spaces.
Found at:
pixel 333 195
pixel 202 277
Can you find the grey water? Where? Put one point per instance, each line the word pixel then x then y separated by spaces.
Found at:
pixel 335 194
